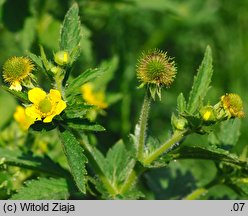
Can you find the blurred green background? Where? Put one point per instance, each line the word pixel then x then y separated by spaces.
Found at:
pixel 120 30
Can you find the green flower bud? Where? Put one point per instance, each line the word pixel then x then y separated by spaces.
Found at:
pixel 179 123
pixel 62 58
pixel 208 114
pixel 56 69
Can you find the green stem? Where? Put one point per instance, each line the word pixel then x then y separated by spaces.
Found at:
pixel 132 177
pixel 176 137
pixel 196 194
pixel 129 182
pixel 143 124
pixel 58 77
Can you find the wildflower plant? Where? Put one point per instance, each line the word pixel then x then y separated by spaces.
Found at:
pixel 64 114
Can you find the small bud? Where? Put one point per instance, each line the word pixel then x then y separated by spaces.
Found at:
pixel 56 69
pixel 207 113
pixel 233 105
pixel 155 69
pixel 179 123
pixel 62 58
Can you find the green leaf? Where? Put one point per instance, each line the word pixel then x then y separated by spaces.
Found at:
pixel 77 111
pixel 181 103
pixel 241 184
pixel 75 157
pixel 44 59
pixel 85 77
pixel 36 59
pixel 43 189
pixel 18 94
pixel 83 124
pixel 30 161
pixel 201 82
pixel 229 132
pixel 119 162
pixel 206 152
pixel 70 34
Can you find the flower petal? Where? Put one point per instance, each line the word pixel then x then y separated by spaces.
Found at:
pixel 36 95
pixel 60 107
pixel 16 85
pixel 33 113
pixel 55 95
pixel 48 118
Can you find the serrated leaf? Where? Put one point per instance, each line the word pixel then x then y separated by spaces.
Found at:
pixel 30 161
pixel 83 124
pixel 119 162
pixel 87 76
pixel 75 157
pixel 70 34
pixel 181 103
pixel 201 82
pixel 77 111
pixel 36 59
pixel 18 94
pixel 43 189
pixel 206 152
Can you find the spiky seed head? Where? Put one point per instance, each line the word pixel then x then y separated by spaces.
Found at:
pixel 233 105
pixel 16 69
pixel 155 67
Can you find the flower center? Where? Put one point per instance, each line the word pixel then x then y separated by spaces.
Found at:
pixel 45 105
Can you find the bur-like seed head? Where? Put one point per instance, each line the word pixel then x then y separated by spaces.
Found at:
pixel 155 67
pixel 15 70
pixel 233 105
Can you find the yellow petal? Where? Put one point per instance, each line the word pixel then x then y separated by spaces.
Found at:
pixel 55 95
pixel 19 114
pixel 36 95
pixel 33 113
pixel 49 118
pixel 60 107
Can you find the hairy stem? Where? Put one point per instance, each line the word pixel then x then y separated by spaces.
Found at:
pixel 143 124
pixel 176 137
pixel 196 194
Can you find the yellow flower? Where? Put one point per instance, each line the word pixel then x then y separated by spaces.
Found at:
pixel 15 70
pixel 23 120
pixel 96 98
pixel 45 106
pixel 233 105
